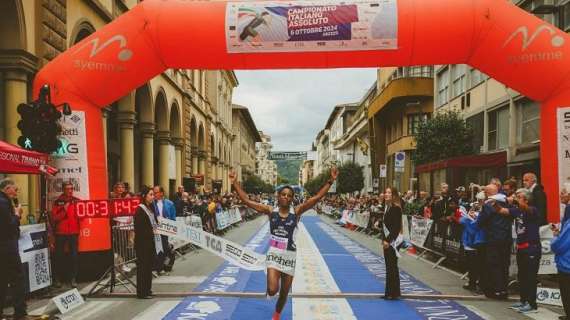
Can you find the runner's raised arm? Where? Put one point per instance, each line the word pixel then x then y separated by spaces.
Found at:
pixel 313 200
pixel 244 197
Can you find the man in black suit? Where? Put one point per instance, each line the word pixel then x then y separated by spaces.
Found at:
pixel 538 199
pixel 12 273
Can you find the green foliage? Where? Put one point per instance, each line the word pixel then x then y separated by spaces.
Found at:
pixel 416 207
pixel 289 170
pixel 254 184
pixel 350 178
pixel 444 136
pixel 281 180
pixel 314 185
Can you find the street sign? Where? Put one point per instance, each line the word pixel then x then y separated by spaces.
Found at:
pixel 383 171
pixel 287 155
pixel 400 160
pixel 398 169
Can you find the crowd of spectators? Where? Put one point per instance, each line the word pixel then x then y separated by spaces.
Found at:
pixel 488 221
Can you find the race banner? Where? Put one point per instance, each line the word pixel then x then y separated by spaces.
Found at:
pixel 33 245
pixel 563 152
pixel 420 231
pixel 235 253
pixel 305 26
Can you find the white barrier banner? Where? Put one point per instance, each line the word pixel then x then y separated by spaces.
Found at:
pixel 549 296
pixel 235 253
pixel 547 263
pixel 225 219
pixel 420 230
pixel 359 218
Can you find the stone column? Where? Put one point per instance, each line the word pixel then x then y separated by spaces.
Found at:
pixel 163 138
pixel 15 92
pixel 194 153
pixel 127 121
pixel 147 165
pixel 178 146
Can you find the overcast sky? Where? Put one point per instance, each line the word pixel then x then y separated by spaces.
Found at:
pixel 292 106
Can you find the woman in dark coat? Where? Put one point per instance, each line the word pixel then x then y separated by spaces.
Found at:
pixel 145 223
pixel 390 230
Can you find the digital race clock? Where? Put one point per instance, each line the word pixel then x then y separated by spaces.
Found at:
pixel 107 208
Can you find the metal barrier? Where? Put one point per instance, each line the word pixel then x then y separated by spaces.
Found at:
pixel 124 254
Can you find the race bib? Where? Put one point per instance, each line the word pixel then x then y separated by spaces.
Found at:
pixel 278 242
pixel 282 260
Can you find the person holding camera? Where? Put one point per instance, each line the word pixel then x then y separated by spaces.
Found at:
pixel 560 245
pixel 529 248
pixel 66 225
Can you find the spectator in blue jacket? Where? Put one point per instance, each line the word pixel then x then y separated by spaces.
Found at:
pixel 473 240
pixel 560 245
pixel 498 229
pixel 529 249
pixel 163 208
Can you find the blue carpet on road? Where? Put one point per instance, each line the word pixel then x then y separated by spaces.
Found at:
pixel 355 269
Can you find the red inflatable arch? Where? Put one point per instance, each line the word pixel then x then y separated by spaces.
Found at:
pixel 498 38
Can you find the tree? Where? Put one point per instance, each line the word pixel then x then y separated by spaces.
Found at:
pixel 282 180
pixel 444 136
pixel 254 184
pixel 350 178
pixel 314 185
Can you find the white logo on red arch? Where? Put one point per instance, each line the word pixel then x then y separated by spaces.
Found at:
pixel 125 54
pixel 556 41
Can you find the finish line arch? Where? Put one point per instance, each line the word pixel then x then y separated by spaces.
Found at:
pixel 496 37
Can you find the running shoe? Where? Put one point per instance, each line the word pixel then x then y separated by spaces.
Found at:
pixel 527 309
pixel 517 306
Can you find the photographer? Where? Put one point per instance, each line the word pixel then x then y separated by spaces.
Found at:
pixel 529 249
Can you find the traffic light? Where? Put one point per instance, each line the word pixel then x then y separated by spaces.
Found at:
pixel 28 125
pixel 40 126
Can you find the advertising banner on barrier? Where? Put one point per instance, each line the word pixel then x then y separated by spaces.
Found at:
pixel 547 263
pixel 420 231
pixel 34 253
pixel 359 218
pixel 235 253
pixel 549 296
pixel 225 219
pixel 305 26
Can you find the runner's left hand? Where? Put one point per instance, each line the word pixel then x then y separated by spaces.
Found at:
pixel 334 172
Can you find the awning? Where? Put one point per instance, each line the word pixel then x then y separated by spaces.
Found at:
pixel 487 160
pixel 14 159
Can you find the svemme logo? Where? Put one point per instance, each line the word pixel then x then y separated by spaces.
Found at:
pixel 550 53
pixel 124 54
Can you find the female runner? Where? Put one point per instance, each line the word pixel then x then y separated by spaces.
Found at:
pixel 283 221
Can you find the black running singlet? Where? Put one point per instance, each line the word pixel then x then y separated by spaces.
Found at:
pixel 283 230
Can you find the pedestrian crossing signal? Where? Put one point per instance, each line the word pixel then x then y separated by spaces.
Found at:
pixel 39 124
